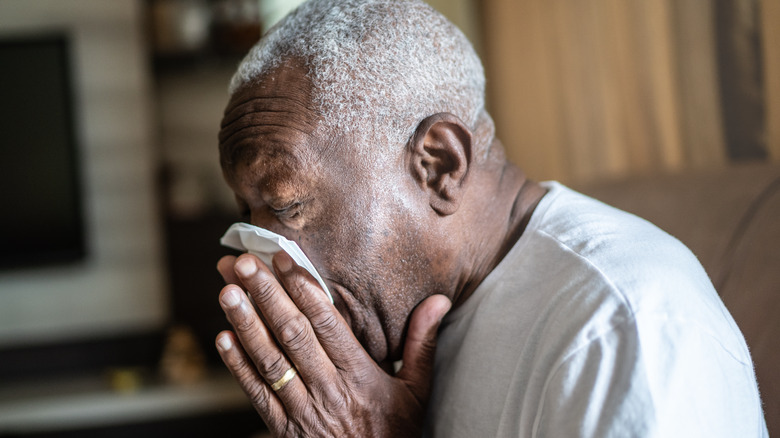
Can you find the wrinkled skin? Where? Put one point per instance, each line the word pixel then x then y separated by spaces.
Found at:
pixel 393 234
pixel 339 389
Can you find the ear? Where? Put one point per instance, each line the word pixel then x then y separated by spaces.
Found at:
pixel 439 156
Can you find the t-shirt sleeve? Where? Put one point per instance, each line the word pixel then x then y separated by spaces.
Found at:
pixel 650 376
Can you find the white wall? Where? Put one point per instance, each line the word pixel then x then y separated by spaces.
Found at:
pixel 121 286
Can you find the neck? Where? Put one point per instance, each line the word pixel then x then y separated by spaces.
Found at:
pixel 509 214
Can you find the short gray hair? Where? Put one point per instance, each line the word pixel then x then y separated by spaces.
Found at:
pixel 381 64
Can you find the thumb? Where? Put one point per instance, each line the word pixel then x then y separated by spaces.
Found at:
pixel 420 346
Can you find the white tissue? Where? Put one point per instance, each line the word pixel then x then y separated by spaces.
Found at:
pixel 264 244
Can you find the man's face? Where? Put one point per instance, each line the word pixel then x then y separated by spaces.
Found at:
pixel 356 215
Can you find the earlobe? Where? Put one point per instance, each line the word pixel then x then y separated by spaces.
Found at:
pixel 440 155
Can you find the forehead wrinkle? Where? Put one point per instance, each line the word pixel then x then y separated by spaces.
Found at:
pixel 256 117
pixel 254 113
pixel 265 153
pixel 250 144
pixel 250 132
pixel 271 104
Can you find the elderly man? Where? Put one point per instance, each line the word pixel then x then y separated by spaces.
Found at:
pixel 357 128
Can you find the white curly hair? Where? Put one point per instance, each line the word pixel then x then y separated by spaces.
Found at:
pixel 382 64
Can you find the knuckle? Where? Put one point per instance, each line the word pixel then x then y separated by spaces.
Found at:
pixel 244 323
pixel 263 289
pixel 337 401
pixel 302 286
pixel 272 365
pixel 243 372
pixel 247 379
pixel 257 394
pixel 298 281
pixel 294 334
pixel 325 321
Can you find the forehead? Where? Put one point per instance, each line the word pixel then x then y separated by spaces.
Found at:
pixel 269 126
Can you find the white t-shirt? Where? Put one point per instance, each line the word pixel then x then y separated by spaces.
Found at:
pixel 596 324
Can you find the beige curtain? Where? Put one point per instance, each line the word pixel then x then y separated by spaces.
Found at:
pixel 591 89
pixel 770 26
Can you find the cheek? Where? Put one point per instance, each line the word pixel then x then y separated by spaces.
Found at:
pixel 408 279
pixel 342 231
pixel 335 249
pixel 371 244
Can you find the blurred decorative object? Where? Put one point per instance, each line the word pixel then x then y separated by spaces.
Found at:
pixel 125 380
pixel 182 360
pixel 180 27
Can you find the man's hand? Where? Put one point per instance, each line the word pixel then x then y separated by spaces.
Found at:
pixel 338 390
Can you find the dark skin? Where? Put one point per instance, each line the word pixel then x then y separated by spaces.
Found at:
pixel 398 236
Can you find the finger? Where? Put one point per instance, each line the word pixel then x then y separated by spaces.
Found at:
pixel 257 390
pixel 290 327
pixel 260 347
pixel 420 346
pixel 332 331
pixel 225 268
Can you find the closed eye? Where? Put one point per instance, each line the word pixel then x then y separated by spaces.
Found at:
pixel 289 212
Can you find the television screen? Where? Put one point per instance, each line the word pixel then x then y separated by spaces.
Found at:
pixel 42 221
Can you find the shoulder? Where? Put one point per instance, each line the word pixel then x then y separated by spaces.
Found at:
pixel 604 234
pixel 641 314
pixel 595 268
pixel 641 261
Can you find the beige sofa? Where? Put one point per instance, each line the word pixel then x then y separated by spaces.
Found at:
pixel 730 219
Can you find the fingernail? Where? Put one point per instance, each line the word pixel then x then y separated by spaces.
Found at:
pixel 224 343
pixel 283 262
pixel 231 298
pixel 246 267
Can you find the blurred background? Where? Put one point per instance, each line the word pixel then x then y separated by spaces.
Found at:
pixel 114 200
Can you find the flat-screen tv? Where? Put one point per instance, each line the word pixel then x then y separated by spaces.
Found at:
pixel 40 191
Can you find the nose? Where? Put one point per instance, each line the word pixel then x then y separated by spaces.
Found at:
pixel 264 244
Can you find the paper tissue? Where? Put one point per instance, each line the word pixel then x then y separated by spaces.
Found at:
pixel 264 244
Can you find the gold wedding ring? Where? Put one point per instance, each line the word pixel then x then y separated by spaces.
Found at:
pixel 288 375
